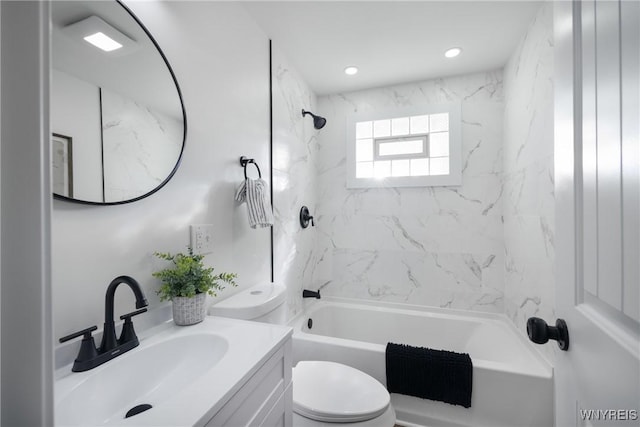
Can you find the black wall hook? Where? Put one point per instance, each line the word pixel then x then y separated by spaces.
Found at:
pixel 245 161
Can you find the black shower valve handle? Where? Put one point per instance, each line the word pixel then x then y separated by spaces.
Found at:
pixel 306 217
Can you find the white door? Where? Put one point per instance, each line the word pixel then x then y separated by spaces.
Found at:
pixel 597 195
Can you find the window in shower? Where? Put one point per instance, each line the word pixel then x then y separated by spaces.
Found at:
pixel 405 147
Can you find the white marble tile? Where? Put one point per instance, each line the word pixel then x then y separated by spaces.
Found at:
pixel 528 200
pixel 482 139
pixel 530 291
pixel 295 147
pixel 528 87
pixel 451 232
pixel 435 246
pixel 480 195
pixel 408 277
pixel 530 237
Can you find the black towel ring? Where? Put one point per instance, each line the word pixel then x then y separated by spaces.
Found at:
pixel 244 162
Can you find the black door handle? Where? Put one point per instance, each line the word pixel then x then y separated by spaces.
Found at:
pixel 539 332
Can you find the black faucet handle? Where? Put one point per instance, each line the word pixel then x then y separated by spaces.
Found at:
pixel 128 334
pixel 88 350
pixel 85 333
pixel 128 316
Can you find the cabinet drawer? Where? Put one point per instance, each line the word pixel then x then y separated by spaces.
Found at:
pixel 281 415
pixel 254 401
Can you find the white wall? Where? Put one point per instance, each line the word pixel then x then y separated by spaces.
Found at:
pixel 295 148
pixel 26 385
pixel 435 246
pixel 0 217
pixel 220 58
pixel 528 203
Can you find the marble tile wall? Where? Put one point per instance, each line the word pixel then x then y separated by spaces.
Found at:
pixel 295 148
pixel 434 246
pixel 528 201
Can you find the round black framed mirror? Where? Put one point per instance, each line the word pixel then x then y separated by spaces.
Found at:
pixel 118 120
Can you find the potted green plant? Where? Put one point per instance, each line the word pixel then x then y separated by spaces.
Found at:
pixel 186 283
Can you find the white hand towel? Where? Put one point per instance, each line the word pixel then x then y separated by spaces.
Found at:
pixel 254 193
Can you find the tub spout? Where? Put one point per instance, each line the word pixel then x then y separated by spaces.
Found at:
pixel 310 294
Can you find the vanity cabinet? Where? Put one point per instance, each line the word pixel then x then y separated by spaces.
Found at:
pixel 265 398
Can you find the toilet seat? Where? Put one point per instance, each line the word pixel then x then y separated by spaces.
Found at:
pixel 336 393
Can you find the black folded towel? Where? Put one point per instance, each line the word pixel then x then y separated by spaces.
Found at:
pixel 430 374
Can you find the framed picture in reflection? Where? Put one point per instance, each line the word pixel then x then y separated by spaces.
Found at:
pixel 62 164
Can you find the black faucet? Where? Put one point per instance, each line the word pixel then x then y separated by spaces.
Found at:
pixel 89 356
pixel 310 294
pixel 109 333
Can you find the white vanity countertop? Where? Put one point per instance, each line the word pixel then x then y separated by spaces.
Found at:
pixel 248 346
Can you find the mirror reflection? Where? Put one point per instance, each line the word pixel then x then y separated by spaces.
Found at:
pixel 117 116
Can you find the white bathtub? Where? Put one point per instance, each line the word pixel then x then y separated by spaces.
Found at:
pixel 512 383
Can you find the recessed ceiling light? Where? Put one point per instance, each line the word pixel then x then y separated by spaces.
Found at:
pixel 351 70
pixel 100 34
pixel 453 52
pixel 103 42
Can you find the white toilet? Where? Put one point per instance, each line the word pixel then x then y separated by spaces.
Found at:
pixel 324 393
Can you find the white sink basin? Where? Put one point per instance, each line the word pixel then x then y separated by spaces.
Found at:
pixel 185 373
pixel 148 375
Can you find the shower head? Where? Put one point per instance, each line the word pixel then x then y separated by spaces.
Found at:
pixel 318 122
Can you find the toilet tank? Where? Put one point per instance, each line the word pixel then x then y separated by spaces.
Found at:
pixel 261 303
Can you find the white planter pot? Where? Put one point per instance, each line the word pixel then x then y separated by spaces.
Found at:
pixel 189 311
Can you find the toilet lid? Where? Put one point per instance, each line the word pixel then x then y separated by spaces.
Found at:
pixel 251 303
pixel 333 392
